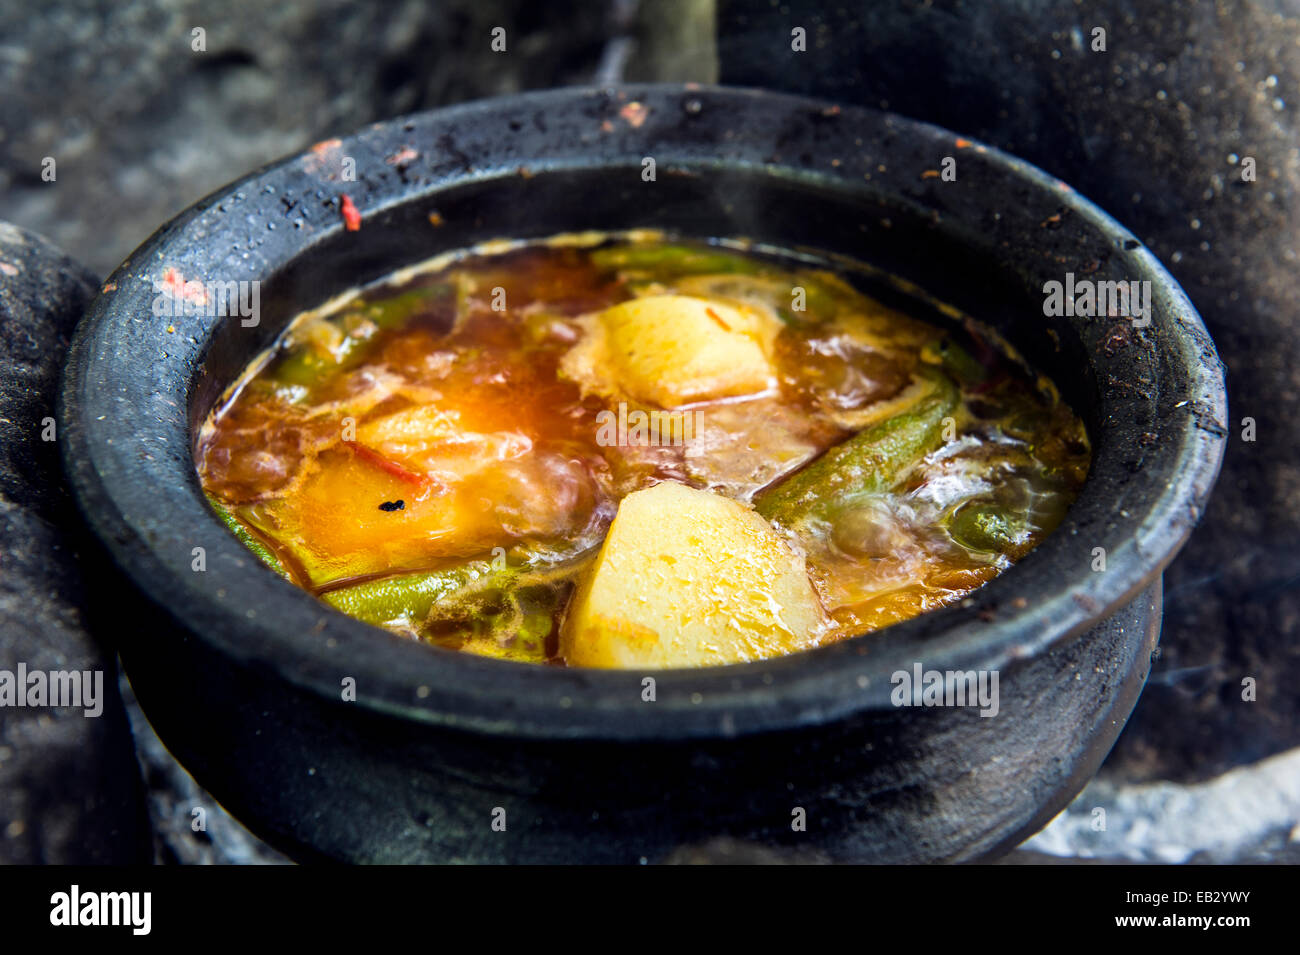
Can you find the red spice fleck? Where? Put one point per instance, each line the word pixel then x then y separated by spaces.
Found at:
pixel 717 318
pixel 436 219
pixel 930 174
pixel 962 143
pixel 351 217
pixel 372 456
pixel 109 287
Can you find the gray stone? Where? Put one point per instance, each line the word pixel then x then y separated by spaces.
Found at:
pixel 141 125
pixel 42 294
pixel 69 783
pixel 1250 814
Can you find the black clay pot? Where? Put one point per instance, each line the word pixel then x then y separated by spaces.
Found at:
pixel 242 674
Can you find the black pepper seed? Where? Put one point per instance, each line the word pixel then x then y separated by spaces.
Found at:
pixel 392 505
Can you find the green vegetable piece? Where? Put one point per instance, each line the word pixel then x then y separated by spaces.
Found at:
pixel 507 624
pixel 537 622
pixel 957 361
pixel 391 312
pixel 672 259
pixel 305 367
pixel 302 367
pixel 488 608
pixel 870 462
pixel 247 537
pixel 985 527
pixel 409 596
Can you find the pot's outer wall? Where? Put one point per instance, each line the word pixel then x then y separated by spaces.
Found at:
pixel 781 169
pixel 893 786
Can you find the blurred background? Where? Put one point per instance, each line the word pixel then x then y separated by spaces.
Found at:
pixel 115 116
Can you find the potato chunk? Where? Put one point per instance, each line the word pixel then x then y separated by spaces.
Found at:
pixel 690 578
pixel 671 350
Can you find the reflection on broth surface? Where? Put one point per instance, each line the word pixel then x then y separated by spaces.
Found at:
pixel 636 454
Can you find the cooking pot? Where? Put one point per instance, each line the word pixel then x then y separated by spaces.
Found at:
pixel 334 739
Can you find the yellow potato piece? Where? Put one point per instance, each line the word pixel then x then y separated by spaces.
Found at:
pixel 672 350
pixel 690 578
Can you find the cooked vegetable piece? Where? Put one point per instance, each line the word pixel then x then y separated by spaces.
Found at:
pixel 247 537
pixel 868 463
pixel 673 259
pixel 409 597
pixel 302 367
pixel 956 361
pixel 670 350
pixel 690 578
pixel 506 619
pixel 392 312
pixel 488 608
pixel 336 526
pixel 323 345
pixel 987 527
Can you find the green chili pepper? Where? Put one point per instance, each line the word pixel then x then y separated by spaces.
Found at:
pixel 672 259
pixel 411 595
pixel 485 607
pixel 870 462
pixel 247 537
